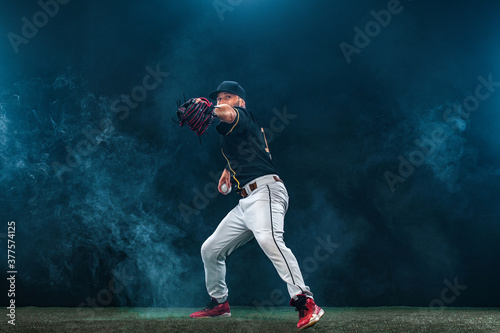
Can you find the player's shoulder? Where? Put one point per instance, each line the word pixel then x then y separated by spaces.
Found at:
pixel 240 109
pixel 251 116
pixel 239 124
pixel 242 113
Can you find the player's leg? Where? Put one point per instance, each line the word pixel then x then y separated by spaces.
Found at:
pixel 229 235
pixel 266 219
pixel 265 211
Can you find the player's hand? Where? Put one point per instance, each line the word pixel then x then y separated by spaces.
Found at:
pixel 197 113
pixel 224 179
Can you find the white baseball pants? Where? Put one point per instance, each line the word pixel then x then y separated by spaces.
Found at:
pixel 261 215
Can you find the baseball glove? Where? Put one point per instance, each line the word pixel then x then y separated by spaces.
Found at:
pixel 197 113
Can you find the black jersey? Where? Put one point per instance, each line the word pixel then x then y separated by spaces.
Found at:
pixel 244 146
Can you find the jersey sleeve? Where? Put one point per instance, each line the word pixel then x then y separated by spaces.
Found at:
pixel 238 126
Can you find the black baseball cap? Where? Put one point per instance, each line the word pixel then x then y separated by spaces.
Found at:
pixel 232 87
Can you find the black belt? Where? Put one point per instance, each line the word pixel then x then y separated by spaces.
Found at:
pixel 253 186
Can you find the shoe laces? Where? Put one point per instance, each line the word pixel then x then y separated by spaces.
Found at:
pixel 302 311
pixel 212 304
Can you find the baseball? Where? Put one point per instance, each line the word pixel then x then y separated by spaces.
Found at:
pixel 225 189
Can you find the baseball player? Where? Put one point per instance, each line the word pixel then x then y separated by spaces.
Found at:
pixel 261 210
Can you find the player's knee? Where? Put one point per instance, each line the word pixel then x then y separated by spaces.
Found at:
pixel 206 250
pixel 211 252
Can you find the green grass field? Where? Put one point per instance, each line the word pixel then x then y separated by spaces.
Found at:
pixel 250 319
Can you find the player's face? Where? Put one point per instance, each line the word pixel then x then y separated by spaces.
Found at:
pixel 229 99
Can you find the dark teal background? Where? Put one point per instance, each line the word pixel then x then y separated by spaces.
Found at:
pixel 116 228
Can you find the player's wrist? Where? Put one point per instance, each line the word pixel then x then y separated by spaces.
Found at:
pixel 215 111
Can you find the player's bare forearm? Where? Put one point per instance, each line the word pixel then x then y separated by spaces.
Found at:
pixel 225 113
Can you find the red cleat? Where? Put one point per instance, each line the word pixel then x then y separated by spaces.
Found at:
pixel 309 312
pixel 213 309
